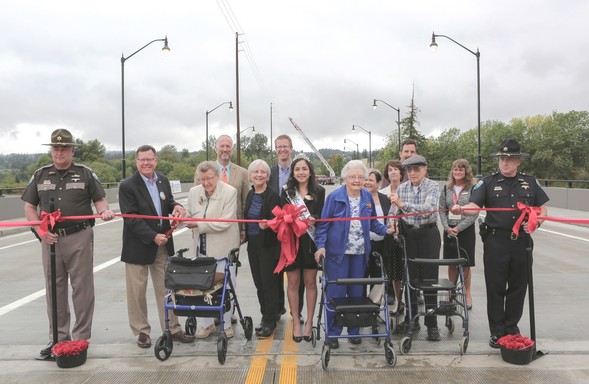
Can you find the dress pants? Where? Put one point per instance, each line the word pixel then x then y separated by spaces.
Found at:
pixel 262 264
pixel 74 259
pixel 136 276
pixel 352 266
pixel 506 279
pixel 423 244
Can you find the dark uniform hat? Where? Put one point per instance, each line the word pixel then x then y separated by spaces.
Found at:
pixel 414 160
pixel 511 148
pixel 63 138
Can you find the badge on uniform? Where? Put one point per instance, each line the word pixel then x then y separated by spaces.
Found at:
pixel 525 185
pixel 46 181
pixel 162 196
pixel 498 188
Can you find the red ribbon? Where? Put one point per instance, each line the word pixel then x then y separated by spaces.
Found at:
pixel 288 228
pixel 531 213
pixel 48 221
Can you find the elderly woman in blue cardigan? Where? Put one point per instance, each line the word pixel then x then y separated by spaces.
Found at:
pixel 346 244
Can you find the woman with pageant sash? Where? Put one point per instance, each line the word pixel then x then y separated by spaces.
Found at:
pixel 303 190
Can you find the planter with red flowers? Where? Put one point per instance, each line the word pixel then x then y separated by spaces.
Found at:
pixel 69 354
pixel 516 349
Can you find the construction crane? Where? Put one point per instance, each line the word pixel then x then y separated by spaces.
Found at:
pixel 327 166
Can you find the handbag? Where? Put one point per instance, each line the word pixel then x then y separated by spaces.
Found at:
pixel 183 273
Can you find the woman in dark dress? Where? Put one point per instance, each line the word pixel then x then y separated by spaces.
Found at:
pixel 303 190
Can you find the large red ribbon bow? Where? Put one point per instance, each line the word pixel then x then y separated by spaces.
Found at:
pixel 531 213
pixel 48 219
pixel 288 228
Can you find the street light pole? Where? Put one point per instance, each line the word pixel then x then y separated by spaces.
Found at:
pixel 433 46
pixel 252 127
pixel 165 50
pixel 207 124
pixel 369 143
pixel 374 106
pixel 357 154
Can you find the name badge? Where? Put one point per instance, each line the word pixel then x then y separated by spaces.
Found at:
pixel 162 196
pixel 452 216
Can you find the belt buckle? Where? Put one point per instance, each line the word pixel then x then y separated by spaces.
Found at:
pixel 513 236
pixel 61 232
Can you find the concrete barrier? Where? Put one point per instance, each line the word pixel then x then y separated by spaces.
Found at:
pixel 578 199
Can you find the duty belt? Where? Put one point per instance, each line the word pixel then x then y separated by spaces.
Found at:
pixel 505 234
pixel 73 229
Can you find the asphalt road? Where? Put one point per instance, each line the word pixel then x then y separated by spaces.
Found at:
pixel 562 306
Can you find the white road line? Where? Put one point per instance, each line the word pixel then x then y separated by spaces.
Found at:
pixel 563 234
pixel 34 296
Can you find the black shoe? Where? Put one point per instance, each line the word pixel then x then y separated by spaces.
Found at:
pixel 282 311
pixel 258 328
pixel 265 332
pixel 404 328
pixel 297 339
pixel 433 334
pixel 493 341
pixel 356 340
pixel 47 350
pixel 333 343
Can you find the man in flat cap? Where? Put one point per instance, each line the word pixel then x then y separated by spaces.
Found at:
pixel 504 257
pixel 416 196
pixel 72 188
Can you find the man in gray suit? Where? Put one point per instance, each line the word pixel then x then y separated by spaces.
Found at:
pixel 232 174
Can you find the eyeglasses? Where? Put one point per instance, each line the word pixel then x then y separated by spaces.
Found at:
pixel 146 160
pixel 414 168
pixel 206 179
pixel 282 147
pixel 355 177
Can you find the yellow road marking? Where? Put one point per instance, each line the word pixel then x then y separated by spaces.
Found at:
pixel 289 361
pixel 258 365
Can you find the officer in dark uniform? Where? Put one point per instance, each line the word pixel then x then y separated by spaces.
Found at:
pixel 505 258
pixel 73 187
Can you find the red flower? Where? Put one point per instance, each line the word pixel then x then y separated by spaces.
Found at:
pixel 70 348
pixel 516 342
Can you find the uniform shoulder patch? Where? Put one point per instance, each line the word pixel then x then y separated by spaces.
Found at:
pixel 96 177
pixel 478 185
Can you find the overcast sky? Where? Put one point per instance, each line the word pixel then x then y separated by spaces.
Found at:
pixel 320 62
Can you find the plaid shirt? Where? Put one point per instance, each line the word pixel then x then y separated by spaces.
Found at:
pixel 425 200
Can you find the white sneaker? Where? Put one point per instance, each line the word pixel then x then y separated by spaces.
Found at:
pixel 203 333
pixel 229 332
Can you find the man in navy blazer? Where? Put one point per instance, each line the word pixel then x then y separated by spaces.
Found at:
pixel 146 246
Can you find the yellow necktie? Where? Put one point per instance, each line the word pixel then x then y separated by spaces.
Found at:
pixel 224 176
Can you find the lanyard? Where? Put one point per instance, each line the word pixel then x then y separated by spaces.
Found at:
pixel 455 195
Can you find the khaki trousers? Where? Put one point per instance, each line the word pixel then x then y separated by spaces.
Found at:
pixel 136 277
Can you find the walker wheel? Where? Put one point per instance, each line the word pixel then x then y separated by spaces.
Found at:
pixel 163 345
pixel 325 352
pixel 405 345
pixel 464 345
pixel 190 326
pixel 450 324
pixel 389 353
pixel 393 323
pixel 314 337
pixel 248 327
pixel 222 348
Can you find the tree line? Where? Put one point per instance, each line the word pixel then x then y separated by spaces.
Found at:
pixel 558 145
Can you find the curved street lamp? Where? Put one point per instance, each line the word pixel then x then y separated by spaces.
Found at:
pixel 207 123
pixel 433 46
pixel 252 127
pixel 165 50
pixel 357 153
pixel 374 106
pixel 369 142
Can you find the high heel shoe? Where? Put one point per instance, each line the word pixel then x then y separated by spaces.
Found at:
pixel 308 338
pixel 297 339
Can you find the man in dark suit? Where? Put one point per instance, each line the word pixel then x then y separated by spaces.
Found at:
pixel 279 175
pixel 146 246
